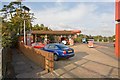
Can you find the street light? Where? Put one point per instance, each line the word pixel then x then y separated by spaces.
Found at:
pixel 31 17
pixel 24 33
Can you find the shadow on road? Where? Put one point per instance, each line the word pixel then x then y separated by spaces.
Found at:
pixel 64 62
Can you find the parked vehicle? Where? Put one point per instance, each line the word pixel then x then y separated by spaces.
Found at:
pixel 38 45
pixel 90 43
pixel 84 40
pixel 59 50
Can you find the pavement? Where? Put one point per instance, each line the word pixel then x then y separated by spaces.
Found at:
pixel 24 67
pixel 95 64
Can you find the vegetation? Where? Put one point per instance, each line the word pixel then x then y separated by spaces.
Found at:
pixel 13 16
pixel 97 38
pixel 41 27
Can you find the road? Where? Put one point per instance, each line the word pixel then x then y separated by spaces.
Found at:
pixel 110 45
pixel 97 62
pixel 64 62
pixel 106 48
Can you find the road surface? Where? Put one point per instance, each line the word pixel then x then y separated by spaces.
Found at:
pixel 97 62
pixel 106 48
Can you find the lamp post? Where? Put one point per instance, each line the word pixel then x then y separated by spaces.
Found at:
pixel 29 20
pixel 24 33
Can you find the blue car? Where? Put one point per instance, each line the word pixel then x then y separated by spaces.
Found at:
pixel 59 50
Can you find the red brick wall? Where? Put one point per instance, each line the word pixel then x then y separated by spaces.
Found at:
pixel 42 58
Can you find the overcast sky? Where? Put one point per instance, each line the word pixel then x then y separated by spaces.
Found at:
pixel 92 18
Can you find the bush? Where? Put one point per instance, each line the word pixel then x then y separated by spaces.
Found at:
pixel 78 40
pixel 6 41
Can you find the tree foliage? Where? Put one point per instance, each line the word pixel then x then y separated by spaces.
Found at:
pixel 13 16
pixel 97 38
pixel 41 27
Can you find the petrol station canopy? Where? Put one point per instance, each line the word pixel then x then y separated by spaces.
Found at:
pixel 57 32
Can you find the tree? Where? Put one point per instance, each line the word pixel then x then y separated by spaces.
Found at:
pixel 41 27
pixel 13 16
pixel 6 35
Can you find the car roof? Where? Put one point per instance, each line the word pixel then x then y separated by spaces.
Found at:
pixel 55 44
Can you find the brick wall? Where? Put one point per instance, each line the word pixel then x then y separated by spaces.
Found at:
pixel 42 58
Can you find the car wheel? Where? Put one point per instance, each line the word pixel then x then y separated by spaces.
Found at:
pixel 55 57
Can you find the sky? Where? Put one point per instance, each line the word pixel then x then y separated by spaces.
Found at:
pixel 92 18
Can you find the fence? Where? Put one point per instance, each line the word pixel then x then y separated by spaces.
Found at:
pixel 1 63
pixel 7 68
pixel 42 58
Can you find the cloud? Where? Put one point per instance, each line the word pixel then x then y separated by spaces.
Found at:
pixel 62 0
pixel 82 16
pixel 60 15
